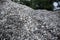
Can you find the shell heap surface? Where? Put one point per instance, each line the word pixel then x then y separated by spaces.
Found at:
pixel 19 22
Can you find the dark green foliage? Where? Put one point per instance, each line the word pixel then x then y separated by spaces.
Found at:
pixel 37 4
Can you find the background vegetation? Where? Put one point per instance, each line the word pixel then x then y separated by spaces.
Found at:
pixel 37 4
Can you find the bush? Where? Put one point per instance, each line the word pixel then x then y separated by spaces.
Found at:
pixel 37 4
